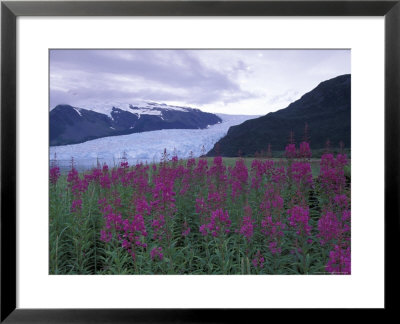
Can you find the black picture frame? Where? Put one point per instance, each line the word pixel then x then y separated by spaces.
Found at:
pixel 10 10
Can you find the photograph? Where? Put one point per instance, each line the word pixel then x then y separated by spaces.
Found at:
pixel 199 161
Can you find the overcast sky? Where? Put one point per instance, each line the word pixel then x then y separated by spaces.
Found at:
pixel 252 82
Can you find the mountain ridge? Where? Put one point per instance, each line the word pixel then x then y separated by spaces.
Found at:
pixel 73 125
pixel 325 110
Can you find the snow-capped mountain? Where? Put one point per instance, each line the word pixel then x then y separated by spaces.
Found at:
pixel 147 146
pixel 71 125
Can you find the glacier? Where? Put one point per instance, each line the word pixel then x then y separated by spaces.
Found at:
pixel 144 147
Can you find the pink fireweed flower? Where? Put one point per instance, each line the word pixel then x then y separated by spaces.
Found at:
pixel 258 261
pixel 346 215
pixel 134 233
pixel 175 159
pixel 341 201
pixel 219 224
pixel 273 247
pixel 298 219
pixel 113 220
pixel 201 169
pixel 105 236
pixel 105 181
pixel 135 228
pixel 186 229
pixel 272 229
pixel 102 202
pixel 124 165
pixel 156 254
pixel 142 207
pixel 272 204
pixel 239 176
pixel 279 176
pixel 290 151
pixel 258 169
pixel 217 174
pixel 332 176
pixel 114 176
pixel 301 173
pixel 187 180
pixel 201 206
pixel 96 174
pixel 163 202
pixel 329 227
pixel 304 150
pixel 117 202
pixel 216 199
pixel 334 225
pixel 76 205
pixel 54 174
pixel 269 165
pixel 341 160
pixel 203 230
pixel 73 176
pixel 339 261
pixel 273 232
pixel 77 185
pixel 158 224
pixel 140 183
pixel 191 162
pixel 247 228
pixel 126 244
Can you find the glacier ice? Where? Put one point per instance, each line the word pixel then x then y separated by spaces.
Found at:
pixel 146 146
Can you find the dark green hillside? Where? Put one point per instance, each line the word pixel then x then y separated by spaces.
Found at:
pixel 70 125
pixel 326 111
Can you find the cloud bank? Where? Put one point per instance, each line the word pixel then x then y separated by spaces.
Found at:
pixel 224 81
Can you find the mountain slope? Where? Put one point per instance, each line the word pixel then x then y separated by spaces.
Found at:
pixel 325 109
pixel 71 125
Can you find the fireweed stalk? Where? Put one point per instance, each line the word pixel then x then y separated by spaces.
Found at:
pixel 261 173
pixel 217 179
pixel 334 232
pixel 218 228
pixel 299 222
pixel 54 174
pixel 334 224
pixel 238 180
pixel 163 207
pixel 247 228
pixel 258 169
pixel 301 180
pixel 216 194
pixel 299 173
pixel 272 224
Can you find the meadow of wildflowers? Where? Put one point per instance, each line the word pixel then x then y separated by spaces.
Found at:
pixel 203 216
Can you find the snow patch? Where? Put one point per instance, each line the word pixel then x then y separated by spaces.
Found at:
pixel 145 111
pixel 139 108
pixel 78 111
